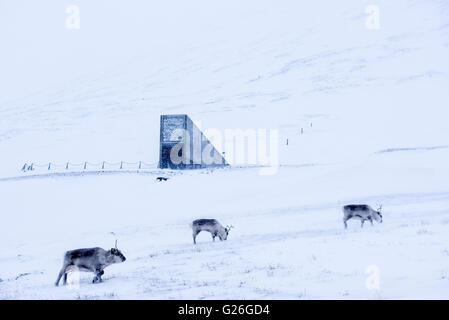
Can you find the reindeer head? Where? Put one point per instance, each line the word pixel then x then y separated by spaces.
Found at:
pixel 227 229
pixel 378 215
pixel 116 254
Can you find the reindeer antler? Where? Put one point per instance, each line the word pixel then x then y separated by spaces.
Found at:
pixel 116 243
pixel 380 208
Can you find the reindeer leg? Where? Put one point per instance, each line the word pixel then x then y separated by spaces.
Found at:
pixel 61 273
pixel 194 237
pixel 346 217
pixel 99 273
pixel 363 221
pixel 97 277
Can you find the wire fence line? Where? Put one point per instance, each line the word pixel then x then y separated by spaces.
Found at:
pixel 86 165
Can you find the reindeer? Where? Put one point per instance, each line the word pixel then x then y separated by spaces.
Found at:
pixel 90 259
pixel 212 226
pixel 362 212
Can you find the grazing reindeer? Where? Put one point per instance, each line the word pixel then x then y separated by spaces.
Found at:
pixel 362 212
pixel 212 226
pixel 91 259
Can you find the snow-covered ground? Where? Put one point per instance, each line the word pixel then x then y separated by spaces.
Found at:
pixel 372 105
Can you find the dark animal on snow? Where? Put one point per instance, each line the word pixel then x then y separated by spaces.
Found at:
pixel 362 212
pixel 212 226
pixel 90 260
pixel 161 179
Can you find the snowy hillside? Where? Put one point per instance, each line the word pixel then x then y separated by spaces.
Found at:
pixel 371 104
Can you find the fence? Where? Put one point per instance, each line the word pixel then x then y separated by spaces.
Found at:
pixel 87 166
